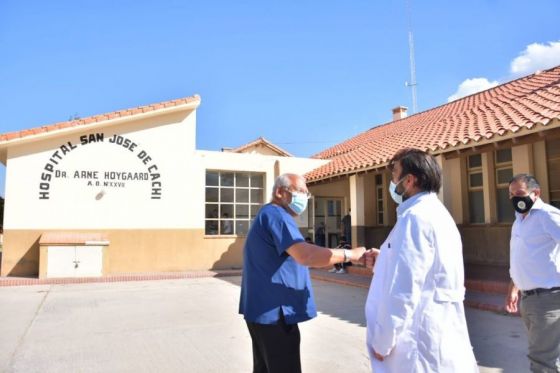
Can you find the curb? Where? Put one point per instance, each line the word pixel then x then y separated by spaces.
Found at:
pixel 25 281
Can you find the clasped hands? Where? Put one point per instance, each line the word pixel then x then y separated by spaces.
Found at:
pixel 361 255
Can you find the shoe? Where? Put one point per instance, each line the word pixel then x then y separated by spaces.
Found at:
pixel 333 270
pixel 340 271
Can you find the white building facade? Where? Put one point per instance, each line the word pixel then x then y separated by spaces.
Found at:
pixel 132 187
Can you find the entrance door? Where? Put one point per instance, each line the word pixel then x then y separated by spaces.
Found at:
pixel 327 221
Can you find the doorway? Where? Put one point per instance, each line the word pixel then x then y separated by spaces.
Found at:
pixel 327 217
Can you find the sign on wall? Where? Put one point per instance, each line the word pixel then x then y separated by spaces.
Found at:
pixel 104 174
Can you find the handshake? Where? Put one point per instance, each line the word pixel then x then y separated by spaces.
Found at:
pixel 361 255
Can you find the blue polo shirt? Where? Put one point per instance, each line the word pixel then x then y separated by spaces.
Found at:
pixel 273 282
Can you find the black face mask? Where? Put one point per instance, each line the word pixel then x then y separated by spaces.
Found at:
pixel 522 204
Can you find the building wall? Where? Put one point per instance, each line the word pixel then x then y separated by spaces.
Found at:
pixel 130 251
pixel 74 183
pixel 336 188
pixel 488 243
pixel 485 243
pixel 76 194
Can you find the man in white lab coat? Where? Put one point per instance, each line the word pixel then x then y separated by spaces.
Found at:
pixel 414 310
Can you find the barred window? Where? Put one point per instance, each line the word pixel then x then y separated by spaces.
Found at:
pixel 504 173
pixel 476 193
pixel 232 201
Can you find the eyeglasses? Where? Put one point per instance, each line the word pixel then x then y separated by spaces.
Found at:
pixel 307 194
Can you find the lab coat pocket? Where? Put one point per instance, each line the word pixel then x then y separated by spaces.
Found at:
pixel 449 295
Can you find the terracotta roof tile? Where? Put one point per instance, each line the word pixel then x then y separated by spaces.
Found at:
pixel 11 135
pixel 510 107
pixel 97 118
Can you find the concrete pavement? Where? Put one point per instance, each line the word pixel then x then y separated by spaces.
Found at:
pixel 192 325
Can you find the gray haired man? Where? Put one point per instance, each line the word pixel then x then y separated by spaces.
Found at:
pixel 535 271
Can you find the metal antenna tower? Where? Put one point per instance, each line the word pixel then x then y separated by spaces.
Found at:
pixel 412 83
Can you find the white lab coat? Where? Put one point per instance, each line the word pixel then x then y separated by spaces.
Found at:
pixel 414 309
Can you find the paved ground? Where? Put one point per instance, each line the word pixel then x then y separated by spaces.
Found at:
pixel 191 325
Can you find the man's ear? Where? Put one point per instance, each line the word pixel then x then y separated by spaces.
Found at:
pixel 537 193
pixel 410 178
pixel 278 193
pixel 414 180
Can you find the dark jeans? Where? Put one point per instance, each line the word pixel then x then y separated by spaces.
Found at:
pixel 275 347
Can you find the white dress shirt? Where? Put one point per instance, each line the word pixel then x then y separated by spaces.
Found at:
pixel 535 248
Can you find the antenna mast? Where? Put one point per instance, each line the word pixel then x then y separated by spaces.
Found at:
pixel 412 83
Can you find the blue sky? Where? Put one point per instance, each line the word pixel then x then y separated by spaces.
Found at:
pixel 303 74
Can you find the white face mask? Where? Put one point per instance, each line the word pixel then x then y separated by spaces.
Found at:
pixel 299 202
pixel 398 198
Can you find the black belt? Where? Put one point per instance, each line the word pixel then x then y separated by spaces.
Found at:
pixel 540 291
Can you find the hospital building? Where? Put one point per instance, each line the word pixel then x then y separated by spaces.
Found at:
pixel 129 192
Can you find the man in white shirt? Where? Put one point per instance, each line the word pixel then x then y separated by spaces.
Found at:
pixel 535 271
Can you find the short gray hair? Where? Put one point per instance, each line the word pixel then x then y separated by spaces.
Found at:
pixel 283 181
pixel 528 179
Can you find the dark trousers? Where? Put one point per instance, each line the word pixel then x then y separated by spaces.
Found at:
pixel 275 347
pixel 541 315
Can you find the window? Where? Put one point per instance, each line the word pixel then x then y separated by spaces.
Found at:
pixel 476 194
pixel 553 163
pixel 328 221
pixel 379 199
pixel 232 201
pixel 504 173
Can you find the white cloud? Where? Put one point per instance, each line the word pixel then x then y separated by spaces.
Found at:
pixel 536 57
pixel 470 86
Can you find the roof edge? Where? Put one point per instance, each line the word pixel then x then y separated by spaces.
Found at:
pixel 46 134
pixel 261 140
pixel 509 135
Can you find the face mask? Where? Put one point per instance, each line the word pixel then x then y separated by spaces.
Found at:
pixel 522 204
pixel 299 202
pixel 398 198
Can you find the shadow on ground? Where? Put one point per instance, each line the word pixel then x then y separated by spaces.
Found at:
pixel 499 341
pixel 347 305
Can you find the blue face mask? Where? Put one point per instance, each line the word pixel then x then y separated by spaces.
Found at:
pixel 398 198
pixel 299 202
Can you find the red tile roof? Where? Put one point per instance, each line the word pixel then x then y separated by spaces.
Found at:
pixel 505 109
pixel 98 118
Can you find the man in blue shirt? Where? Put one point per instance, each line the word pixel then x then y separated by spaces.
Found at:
pixel 276 291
